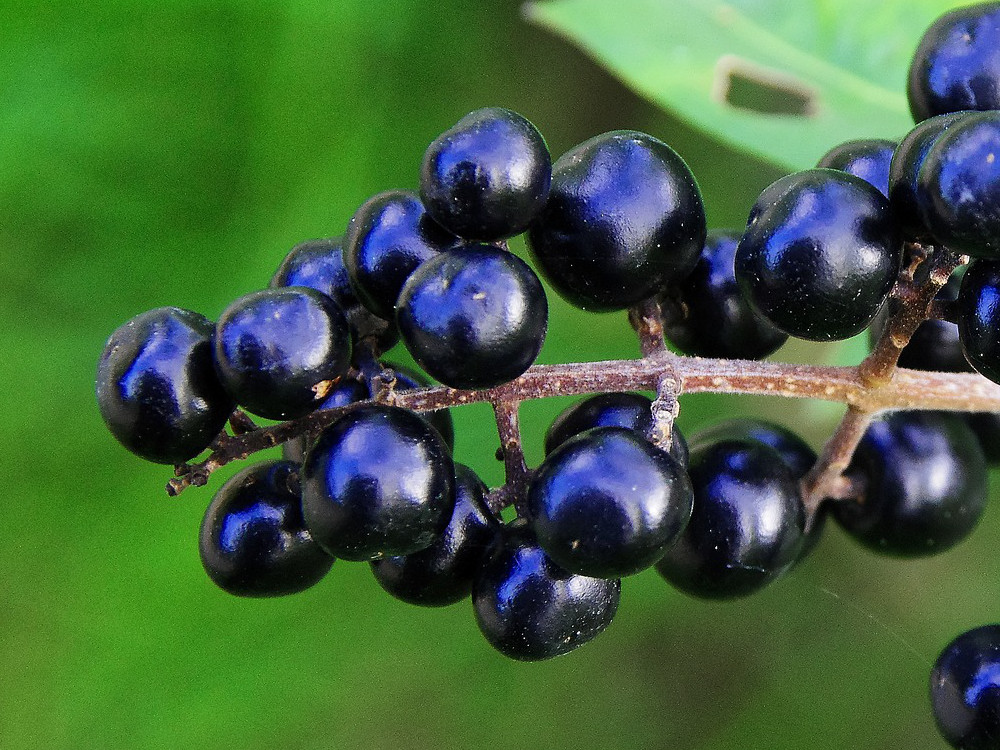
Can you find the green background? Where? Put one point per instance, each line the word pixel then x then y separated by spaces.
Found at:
pixel 170 154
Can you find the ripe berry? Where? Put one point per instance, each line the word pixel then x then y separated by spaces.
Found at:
pixel 707 316
pixel 379 481
pixel 819 254
pixel 924 479
pixel 253 539
pixel 979 317
pixel 965 690
pixel 319 265
pixel 279 351
pixel 798 456
pixel 957 64
pixel 747 524
pixel 904 198
pixel 959 186
pixel 529 608
pixel 442 574
pixel 387 238
pixel 473 318
pixel 607 503
pixel 624 219
pixel 488 176
pixel 347 391
pixel 631 410
pixel 157 389
pixel 868 159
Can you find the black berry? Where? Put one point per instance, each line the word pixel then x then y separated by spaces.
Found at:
pixel 868 159
pixel 965 690
pixel 487 177
pixel 979 317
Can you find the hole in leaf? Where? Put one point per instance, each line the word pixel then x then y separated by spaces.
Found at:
pixel 744 84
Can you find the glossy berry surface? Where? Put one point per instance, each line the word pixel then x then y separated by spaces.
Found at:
pixel 819 260
pixel 957 63
pixel 387 238
pixel 319 265
pixel 868 159
pixel 487 177
pixel 747 524
pixel 904 196
pixel 157 389
pixel 253 539
pixel 708 316
pixel 529 608
pixel 959 186
pixel 346 391
pixel 979 317
pixel 607 503
pixel 630 410
pixel 443 573
pixel 797 454
pixel 407 379
pixel 924 479
pixel 379 481
pixel 279 350
pixel 624 219
pixel 473 318
pixel 965 690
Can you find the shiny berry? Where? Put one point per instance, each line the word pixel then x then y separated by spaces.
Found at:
pixel 279 351
pixel 924 480
pixel 747 524
pixel 708 316
pixel 488 176
pixel 868 159
pixel 379 481
pixel 473 318
pixel 904 198
pixel 631 410
pixel 387 238
pixel 624 219
pixel 818 261
pixel 529 608
pixel 347 391
pixel 965 690
pixel 798 456
pixel 957 63
pixel 253 539
pixel 442 574
pixel 319 265
pixel 959 186
pixel 979 317
pixel 406 379
pixel 157 389
pixel 607 503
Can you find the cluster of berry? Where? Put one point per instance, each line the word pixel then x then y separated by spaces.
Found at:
pixel 615 223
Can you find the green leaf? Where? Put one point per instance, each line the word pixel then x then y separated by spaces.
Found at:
pixel 824 71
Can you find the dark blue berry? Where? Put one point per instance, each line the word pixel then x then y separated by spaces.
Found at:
pixel 379 481
pixel 624 220
pixel 965 690
pixel 868 159
pixel 708 316
pixel 959 186
pixel 440 419
pixel 979 317
pixel 956 66
pixel 319 265
pixel 607 503
pixel 904 197
pixel 473 318
pixel 347 391
pixel 157 389
pixel 746 526
pixel 793 450
pixel 253 539
pixel 631 410
pixel 442 574
pixel 387 238
pixel 488 176
pixel 924 479
pixel 280 351
pixel 819 255
pixel 529 608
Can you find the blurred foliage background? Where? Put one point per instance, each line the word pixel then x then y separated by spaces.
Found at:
pixel 170 154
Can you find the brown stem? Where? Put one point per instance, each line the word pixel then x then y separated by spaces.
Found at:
pixel 823 480
pixel 516 473
pixel 647 320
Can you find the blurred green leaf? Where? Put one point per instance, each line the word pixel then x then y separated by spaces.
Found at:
pixel 822 72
